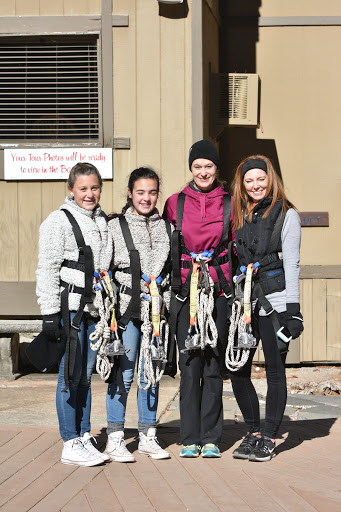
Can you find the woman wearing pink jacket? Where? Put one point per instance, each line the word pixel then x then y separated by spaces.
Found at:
pixel 200 282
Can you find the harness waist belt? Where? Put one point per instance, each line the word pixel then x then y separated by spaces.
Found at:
pixel 76 265
pixel 219 260
pixel 72 288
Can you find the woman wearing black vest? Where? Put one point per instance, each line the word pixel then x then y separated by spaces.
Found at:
pixel 258 202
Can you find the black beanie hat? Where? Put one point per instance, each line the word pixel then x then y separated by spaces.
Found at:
pixel 203 149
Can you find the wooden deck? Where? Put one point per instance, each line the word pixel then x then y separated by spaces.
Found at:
pixel 305 476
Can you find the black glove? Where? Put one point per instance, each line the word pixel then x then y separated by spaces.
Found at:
pixel 294 319
pixel 52 327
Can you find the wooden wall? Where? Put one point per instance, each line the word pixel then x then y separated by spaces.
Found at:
pixel 320 341
pixel 152 105
pixel 321 306
pixel 152 95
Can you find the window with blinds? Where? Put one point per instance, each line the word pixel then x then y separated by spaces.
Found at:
pixel 49 89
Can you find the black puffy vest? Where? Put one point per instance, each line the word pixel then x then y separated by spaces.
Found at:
pixel 252 242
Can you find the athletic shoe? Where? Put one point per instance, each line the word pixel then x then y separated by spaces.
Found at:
pixel 116 448
pixel 75 453
pixel 263 451
pixel 246 446
pixel 210 450
pixel 190 451
pixel 149 445
pixel 86 440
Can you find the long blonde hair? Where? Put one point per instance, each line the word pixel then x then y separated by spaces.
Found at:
pixel 243 206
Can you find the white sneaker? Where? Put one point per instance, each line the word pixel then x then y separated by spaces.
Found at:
pixel 116 448
pixel 149 445
pixel 74 452
pixel 86 440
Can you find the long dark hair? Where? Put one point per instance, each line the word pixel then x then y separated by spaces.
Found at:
pixel 137 174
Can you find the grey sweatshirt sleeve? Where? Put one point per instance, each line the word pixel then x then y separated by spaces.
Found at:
pixel 291 243
pixel 50 259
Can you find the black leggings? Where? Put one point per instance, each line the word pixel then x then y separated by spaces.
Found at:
pixel 201 383
pixel 276 397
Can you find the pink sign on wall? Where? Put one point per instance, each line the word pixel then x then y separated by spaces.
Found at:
pixel 53 163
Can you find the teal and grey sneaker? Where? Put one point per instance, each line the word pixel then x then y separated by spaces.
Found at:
pixel 211 450
pixel 190 451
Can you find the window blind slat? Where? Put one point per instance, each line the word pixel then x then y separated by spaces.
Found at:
pixel 49 88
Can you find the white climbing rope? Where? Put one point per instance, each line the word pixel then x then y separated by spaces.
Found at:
pixel 206 324
pixel 236 358
pixel 152 369
pixel 101 335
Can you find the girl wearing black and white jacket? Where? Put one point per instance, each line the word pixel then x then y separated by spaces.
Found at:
pixel 259 202
pixel 151 240
pixel 59 267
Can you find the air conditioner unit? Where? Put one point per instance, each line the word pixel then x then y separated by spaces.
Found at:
pixel 234 100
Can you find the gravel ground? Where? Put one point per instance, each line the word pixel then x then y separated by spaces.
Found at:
pixel 308 380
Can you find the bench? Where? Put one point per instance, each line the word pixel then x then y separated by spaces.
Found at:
pixel 19 313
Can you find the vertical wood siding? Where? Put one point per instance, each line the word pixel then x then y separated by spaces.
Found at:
pixel 152 106
pixel 321 338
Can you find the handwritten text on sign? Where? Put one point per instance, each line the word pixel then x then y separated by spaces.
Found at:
pixel 53 163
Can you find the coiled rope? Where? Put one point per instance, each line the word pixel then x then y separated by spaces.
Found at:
pixel 206 324
pixel 101 335
pixel 152 369
pixel 236 358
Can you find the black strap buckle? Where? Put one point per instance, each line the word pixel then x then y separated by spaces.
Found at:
pixel 76 327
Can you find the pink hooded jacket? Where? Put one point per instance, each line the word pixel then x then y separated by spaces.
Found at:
pixel 202 224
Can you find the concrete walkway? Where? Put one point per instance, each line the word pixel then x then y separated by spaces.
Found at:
pixel 30 400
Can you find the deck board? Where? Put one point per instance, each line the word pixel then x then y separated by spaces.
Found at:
pixel 305 475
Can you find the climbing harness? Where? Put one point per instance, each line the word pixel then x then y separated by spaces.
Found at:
pixel 105 339
pixel 198 285
pixel 202 329
pixel 255 281
pixel 84 264
pixel 148 307
pixel 237 354
pixel 154 344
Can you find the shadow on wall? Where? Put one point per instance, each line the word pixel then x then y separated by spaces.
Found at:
pixel 237 54
pixel 174 11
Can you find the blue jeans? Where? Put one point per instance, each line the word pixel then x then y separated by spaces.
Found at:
pixel 146 400
pixel 74 405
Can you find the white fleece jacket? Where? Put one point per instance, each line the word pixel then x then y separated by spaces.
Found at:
pixel 151 240
pixel 57 243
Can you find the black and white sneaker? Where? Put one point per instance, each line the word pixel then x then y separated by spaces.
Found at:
pixel 246 446
pixel 263 451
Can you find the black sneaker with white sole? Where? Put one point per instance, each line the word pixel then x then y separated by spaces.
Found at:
pixel 263 451
pixel 246 446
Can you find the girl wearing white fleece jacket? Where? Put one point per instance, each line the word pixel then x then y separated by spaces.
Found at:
pixel 59 264
pixel 149 235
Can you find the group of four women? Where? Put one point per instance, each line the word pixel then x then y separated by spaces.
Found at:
pixel 187 253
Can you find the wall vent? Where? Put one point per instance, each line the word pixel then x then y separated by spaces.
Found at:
pixel 234 100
